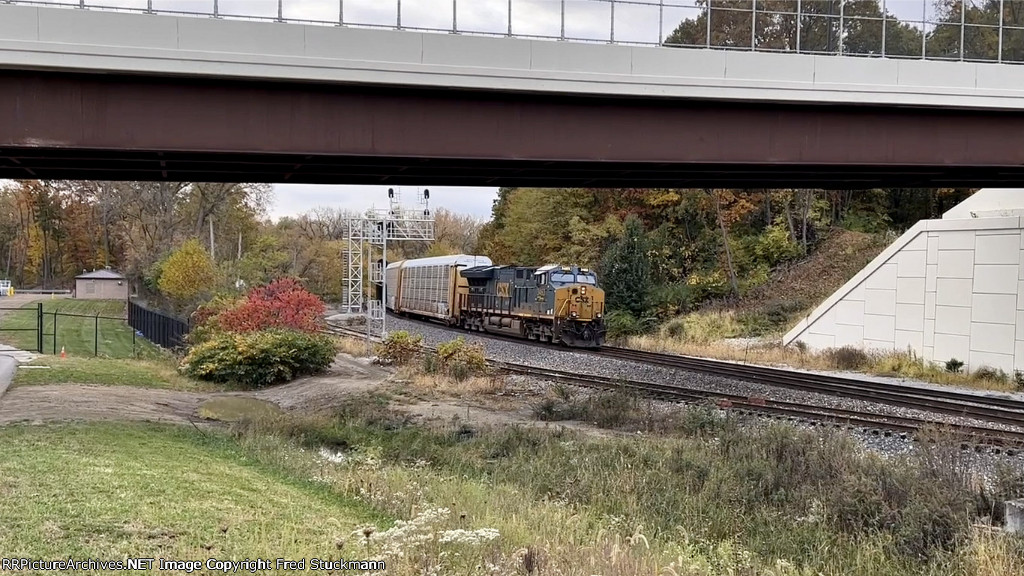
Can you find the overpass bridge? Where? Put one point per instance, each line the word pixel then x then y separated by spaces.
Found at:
pixel 103 94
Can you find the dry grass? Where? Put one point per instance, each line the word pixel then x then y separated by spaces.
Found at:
pixel 995 554
pixel 446 385
pixel 351 346
pixel 893 364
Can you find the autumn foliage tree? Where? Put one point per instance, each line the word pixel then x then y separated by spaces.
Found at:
pixel 187 274
pixel 283 303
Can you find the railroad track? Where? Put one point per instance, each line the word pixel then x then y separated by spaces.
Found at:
pixel 997 409
pixel 989 409
pixel 793 411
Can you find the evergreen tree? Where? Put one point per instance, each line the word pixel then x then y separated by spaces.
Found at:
pixel 626 270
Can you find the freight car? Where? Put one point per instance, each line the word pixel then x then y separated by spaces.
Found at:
pixel 556 304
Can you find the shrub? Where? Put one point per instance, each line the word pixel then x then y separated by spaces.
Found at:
pixel 204 320
pixel 460 360
pixel 988 373
pixel 621 324
pixel 1018 379
pixel 953 365
pixel 399 348
pixel 257 359
pixel 283 303
pixel 847 358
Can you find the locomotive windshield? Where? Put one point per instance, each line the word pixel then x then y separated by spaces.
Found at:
pixel 570 278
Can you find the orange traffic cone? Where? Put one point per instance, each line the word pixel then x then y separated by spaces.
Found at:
pixel 62 354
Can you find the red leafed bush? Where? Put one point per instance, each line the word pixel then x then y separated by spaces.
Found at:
pixel 283 303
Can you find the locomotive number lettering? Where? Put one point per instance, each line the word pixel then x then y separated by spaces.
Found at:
pixel 583 299
pixel 502 289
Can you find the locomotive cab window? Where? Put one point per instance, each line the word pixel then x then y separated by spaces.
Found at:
pixel 541 279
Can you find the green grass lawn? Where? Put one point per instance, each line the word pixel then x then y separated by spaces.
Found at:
pixel 154 373
pixel 110 491
pixel 79 335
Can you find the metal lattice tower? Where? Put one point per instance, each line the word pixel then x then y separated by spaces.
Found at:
pixel 372 232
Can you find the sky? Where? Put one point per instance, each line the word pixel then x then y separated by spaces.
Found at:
pixel 292 199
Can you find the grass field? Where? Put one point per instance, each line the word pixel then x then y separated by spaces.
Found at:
pixel 78 330
pixel 152 373
pixel 110 491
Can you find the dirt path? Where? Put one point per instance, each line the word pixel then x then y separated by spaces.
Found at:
pixel 76 402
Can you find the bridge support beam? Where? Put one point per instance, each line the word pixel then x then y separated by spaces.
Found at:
pixel 137 128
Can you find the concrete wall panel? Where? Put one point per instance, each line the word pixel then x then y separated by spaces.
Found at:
pixel 358 44
pixel 995 279
pixel 911 264
pixel 997 249
pixel 951 346
pixel 478 51
pixel 880 302
pixel 910 290
pixel 1002 362
pixel 884 278
pixel 994 308
pixel 910 317
pixel 954 291
pixel 909 339
pixel 956 263
pixel 879 327
pixel 20 23
pixel 953 320
pixel 206 35
pixel 107 29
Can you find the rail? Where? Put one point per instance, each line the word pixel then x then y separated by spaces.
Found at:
pixel 964 30
pixel 998 410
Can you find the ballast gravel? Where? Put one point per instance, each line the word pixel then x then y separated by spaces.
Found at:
pixel 554 358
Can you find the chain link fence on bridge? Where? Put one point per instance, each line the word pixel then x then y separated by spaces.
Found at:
pixel 965 30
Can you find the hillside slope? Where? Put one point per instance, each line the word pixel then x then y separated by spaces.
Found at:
pixel 790 294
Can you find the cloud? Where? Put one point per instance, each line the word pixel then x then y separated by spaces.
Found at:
pixel 294 199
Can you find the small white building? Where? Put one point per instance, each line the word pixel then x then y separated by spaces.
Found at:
pixel 101 285
pixel 947 288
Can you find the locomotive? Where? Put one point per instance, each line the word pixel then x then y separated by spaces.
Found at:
pixel 554 304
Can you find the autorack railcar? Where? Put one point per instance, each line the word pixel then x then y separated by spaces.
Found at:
pixel 556 304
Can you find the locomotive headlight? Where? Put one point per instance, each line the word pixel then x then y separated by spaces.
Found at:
pixel 583 290
pixel 573 314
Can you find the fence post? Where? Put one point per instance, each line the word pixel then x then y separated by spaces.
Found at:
pixel 54 332
pixel 39 327
pixel 96 337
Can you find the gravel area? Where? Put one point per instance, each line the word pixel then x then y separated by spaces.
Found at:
pixel 560 359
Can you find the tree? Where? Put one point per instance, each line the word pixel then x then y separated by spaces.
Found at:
pixel 187 274
pixel 625 270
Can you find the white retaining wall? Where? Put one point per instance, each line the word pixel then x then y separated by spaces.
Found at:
pixel 945 289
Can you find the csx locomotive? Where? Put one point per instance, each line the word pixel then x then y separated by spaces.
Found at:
pixel 556 304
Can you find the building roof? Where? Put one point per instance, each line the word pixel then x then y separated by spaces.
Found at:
pixel 100 275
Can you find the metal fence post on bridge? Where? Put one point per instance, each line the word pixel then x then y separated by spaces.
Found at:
pixel 455 16
pixel 611 34
pixel 280 10
pixel 563 20
pixel 963 20
pixel 96 336
pixel 510 17
pixel 799 25
pixel 885 24
pixel 842 24
pixel 999 55
pixel 398 12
